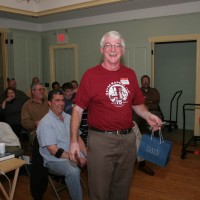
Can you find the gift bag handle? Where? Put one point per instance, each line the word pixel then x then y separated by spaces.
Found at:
pixel 160 135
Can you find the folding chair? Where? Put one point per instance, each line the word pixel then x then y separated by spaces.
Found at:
pixel 60 186
pixel 61 183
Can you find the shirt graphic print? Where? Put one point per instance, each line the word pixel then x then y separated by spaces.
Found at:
pixel 117 93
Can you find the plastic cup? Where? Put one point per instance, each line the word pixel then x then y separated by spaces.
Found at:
pixel 2 148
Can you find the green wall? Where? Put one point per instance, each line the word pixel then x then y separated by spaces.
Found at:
pixel 135 32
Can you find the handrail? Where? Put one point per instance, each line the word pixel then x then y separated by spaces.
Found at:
pixel 179 94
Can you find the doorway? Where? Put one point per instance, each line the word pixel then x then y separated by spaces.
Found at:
pixel 174 71
pixel 172 43
pixel 63 63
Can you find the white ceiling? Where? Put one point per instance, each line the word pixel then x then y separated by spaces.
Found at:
pixel 72 9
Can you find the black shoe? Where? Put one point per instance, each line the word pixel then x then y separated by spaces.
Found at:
pixel 144 168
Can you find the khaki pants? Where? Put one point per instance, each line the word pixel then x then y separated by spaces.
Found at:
pixel 111 160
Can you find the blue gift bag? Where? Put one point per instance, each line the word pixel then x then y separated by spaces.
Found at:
pixel 155 149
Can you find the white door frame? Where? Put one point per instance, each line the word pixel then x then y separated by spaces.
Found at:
pixel 4 56
pixel 177 38
pixel 52 59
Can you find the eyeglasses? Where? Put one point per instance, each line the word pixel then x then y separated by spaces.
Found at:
pixel 40 89
pixel 10 79
pixel 109 46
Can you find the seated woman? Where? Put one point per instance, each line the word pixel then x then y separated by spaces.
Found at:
pixel 11 109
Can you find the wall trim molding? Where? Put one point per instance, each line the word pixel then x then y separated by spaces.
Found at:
pixel 44 12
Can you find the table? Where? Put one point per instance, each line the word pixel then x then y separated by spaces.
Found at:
pixel 7 166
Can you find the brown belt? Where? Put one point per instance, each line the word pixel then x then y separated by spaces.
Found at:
pixel 117 132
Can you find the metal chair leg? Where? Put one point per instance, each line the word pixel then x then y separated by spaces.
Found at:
pixel 54 189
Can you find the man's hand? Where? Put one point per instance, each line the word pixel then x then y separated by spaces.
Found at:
pixel 74 151
pixel 154 121
pixel 81 161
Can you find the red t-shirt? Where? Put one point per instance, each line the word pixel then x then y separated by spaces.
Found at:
pixel 109 96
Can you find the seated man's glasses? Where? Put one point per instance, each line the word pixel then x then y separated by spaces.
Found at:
pixel 40 89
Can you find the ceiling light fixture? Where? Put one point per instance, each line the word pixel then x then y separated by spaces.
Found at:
pixel 37 1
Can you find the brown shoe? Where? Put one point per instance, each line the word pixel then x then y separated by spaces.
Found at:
pixel 144 168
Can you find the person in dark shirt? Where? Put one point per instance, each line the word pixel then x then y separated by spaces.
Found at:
pixel 12 83
pixel 151 96
pixel 67 89
pixel 75 85
pixel 55 85
pixel 84 127
pixel 151 101
pixel 11 109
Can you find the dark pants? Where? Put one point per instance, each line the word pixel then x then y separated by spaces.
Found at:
pixel 17 130
pixel 39 173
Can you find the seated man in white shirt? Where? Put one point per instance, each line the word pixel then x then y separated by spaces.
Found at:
pixel 53 134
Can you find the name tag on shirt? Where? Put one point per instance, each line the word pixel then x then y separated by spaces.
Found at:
pixel 124 81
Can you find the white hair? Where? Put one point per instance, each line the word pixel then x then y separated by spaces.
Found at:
pixel 114 35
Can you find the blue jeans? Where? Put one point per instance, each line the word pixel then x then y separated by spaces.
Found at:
pixel 72 176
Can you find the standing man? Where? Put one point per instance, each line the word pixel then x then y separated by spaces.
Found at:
pixel 32 112
pixel 109 90
pixel 53 134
